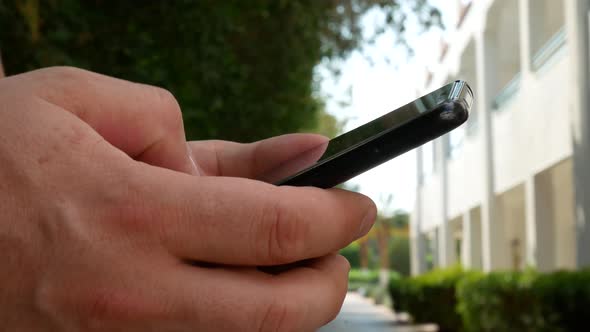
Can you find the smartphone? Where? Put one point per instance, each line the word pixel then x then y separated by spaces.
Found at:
pixel 378 141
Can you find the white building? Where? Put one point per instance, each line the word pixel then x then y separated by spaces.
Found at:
pixel 511 188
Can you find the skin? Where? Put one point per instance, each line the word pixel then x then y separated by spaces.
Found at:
pixel 111 221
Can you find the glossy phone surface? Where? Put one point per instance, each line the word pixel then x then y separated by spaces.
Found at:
pixel 378 141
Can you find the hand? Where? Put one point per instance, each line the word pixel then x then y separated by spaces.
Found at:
pixel 101 226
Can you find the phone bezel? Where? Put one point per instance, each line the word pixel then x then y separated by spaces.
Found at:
pixel 455 105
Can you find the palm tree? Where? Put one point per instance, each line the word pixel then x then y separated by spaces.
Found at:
pixel 364 252
pixel 383 236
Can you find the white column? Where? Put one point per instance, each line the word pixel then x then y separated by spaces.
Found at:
pixel 435 240
pixel 468 241
pixel 525 39
pixel 446 250
pixel 540 242
pixel 471 247
pixel 492 248
pixel 577 35
pixel 417 249
pixel 418 254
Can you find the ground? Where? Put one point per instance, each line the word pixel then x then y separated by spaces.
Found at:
pixel 361 314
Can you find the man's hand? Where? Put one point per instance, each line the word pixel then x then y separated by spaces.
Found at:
pixel 105 227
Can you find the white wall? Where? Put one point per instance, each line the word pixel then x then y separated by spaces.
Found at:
pixel 533 131
pixel 465 180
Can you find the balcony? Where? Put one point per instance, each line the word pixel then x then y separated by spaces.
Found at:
pixel 550 50
pixel 507 93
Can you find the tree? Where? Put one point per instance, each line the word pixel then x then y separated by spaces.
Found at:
pixel 399 245
pixel 241 70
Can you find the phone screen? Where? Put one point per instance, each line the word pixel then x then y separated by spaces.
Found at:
pixel 367 132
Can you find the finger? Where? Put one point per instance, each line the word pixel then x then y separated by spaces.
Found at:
pixel 222 158
pixel 244 222
pixel 143 121
pixel 302 299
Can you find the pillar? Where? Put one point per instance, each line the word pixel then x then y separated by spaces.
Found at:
pixel 417 243
pixel 576 13
pixel 471 248
pixel 446 243
pixel 540 244
pixel 491 231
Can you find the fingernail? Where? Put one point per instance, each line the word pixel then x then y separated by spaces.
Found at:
pixel 367 222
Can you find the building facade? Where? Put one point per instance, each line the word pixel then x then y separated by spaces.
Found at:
pixel 510 188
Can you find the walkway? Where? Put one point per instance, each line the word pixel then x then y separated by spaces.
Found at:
pixel 360 314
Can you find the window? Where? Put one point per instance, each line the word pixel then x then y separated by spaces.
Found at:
pixel 502 40
pixel 468 73
pixel 547 19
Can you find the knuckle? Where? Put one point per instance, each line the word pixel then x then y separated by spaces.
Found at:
pixel 283 231
pixel 281 316
pixel 65 72
pixel 168 108
pixel 63 86
pixel 66 79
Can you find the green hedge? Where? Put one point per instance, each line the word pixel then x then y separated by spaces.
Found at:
pixel 429 298
pixel 460 300
pixel 360 276
pixel 399 255
pixel 358 279
pixel 527 301
pixel 352 254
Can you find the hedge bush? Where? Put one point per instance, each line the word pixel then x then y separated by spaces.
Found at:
pixel 360 276
pixel 359 279
pixel 527 301
pixel 352 254
pixel 430 298
pixel 497 302
pixel 460 300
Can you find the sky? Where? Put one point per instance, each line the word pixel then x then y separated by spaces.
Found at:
pixel 375 89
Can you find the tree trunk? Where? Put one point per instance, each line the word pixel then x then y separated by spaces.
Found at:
pixel 364 253
pixel 383 243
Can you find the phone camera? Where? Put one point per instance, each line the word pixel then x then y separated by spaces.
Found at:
pixel 448 115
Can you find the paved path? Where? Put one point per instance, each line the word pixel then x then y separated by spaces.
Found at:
pixel 360 314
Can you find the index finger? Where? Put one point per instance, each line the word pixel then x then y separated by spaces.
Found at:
pixel 251 160
pixel 245 222
pixel 143 121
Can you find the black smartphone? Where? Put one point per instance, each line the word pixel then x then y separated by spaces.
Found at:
pixel 378 141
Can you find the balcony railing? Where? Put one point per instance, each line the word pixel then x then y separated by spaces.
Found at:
pixel 550 49
pixel 507 93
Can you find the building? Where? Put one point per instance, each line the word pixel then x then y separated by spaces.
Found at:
pixel 511 188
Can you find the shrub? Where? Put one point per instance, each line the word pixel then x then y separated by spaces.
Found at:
pixel 566 298
pixel 399 254
pixel 360 276
pixel 362 280
pixel 525 301
pixel 496 302
pixel 352 254
pixel 500 301
pixel 429 298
